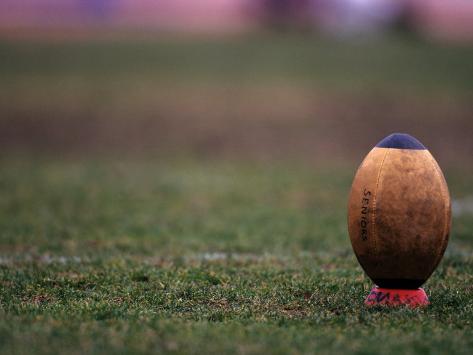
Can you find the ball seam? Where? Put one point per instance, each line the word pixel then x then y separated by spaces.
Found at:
pixel 375 198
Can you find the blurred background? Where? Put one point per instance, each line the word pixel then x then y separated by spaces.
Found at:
pixel 174 174
pixel 100 99
pixel 306 79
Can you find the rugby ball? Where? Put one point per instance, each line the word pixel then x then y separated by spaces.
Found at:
pixel 399 213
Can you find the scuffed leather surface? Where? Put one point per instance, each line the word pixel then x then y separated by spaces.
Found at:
pixel 409 215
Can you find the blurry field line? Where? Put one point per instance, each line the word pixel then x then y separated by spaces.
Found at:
pixel 163 261
pixel 462 206
pixel 322 260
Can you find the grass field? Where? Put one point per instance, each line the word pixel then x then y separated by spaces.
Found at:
pixel 213 218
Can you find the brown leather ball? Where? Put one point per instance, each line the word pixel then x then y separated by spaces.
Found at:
pixel 399 213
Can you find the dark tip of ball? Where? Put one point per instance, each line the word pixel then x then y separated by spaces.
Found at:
pixel 402 284
pixel 400 141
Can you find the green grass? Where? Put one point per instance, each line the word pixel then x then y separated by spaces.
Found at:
pixel 391 64
pixel 194 257
pixel 242 246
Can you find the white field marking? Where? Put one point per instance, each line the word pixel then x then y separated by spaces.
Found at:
pixel 42 259
pixel 217 256
pixel 462 206
pixel 48 259
pixel 241 257
pixel 458 250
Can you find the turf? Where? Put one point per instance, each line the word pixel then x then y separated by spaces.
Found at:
pixel 192 257
pixel 187 196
